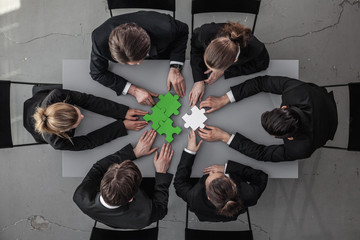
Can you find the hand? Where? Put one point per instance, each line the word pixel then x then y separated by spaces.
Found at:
pixel 143 147
pixel 214 103
pixel 214 76
pixel 132 113
pixel 213 134
pixel 197 92
pixel 192 142
pixel 142 95
pixel 214 169
pixel 162 162
pixel 134 125
pixel 177 80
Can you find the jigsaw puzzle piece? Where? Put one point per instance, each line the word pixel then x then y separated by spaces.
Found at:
pixel 169 104
pixel 167 128
pixel 196 119
pixel 156 117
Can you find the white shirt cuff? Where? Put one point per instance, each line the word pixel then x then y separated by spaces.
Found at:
pixel 126 88
pixel 230 140
pixel 225 171
pixel 176 62
pixel 190 152
pixel 230 96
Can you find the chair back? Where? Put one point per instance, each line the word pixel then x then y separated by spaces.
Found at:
pixel 5 125
pixel 197 234
pixel 168 5
pixel 354 121
pixel 239 6
pixel 114 234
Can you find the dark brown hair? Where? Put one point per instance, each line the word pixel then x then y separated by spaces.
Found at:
pixel 120 183
pixel 129 43
pixel 281 122
pixel 223 193
pixel 220 54
pixel 56 118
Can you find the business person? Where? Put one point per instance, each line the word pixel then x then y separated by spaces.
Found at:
pixel 219 49
pixel 129 39
pixel 306 119
pixel 110 191
pixel 52 117
pixel 224 192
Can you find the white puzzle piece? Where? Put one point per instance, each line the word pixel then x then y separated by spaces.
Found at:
pixel 196 119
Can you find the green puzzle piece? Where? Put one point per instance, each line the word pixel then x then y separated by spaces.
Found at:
pixel 169 103
pixel 167 129
pixel 161 113
pixel 156 117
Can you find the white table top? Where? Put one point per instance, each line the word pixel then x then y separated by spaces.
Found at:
pixel 243 117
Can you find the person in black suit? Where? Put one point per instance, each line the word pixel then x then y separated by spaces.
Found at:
pixel 306 120
pixel 129 39
pixel 219 49
pixel 110 191
pixel 224 192
pixel 52 117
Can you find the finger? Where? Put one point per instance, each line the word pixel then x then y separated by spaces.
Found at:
pixel 183 88
pixel 176 88
pixel 205 103
pixel 156 156
pixel 162 150
pixel 153 150
pixel 152 101
pixel 167 149
pixel 153 94
pixel 143 135
pixel 207 71
pixel 199 144
pixel 171 155
pixel 153 137
pixel 138 123
pixel 168 84
pixel 140 112
pixel 210 110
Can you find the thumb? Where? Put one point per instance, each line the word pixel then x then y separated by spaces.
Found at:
pixel 153 94
pixel 198 145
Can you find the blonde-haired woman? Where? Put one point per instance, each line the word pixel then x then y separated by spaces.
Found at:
pixel 219 49
pixel 52 117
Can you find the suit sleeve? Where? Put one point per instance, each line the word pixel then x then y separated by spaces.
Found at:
pixel 100 73
pixel 271 84
pixel 182 181
pixel 272 153
pixel 254 65
pixel 90 186
pixel 160 196
pixel 256 180
pixel 178 46
pixel 197 63
pixel 94 104
pixel 89 141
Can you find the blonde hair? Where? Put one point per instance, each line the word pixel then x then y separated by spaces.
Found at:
pixel 56 118
pixel 221 53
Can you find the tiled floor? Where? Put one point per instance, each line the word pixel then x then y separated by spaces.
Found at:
pixel 323 204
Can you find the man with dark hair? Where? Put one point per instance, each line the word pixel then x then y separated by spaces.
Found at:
pixel 129 39
pixel 306 120
pixel 110 191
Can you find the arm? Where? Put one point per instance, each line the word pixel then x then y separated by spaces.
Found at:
pixel 161 196
pixel 89 141
pixel 272 84
pixel 99 71
pixel 90 102
pixel 256 179
pixel 178 46
pixel 254 65
pixel 197 57
pixel 272 153
pixel 90 186
pixel 182 182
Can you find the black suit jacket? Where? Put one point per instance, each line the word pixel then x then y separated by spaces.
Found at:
pixel 139 213
pixel 168 40
pixel 250 184
pixel 317 110
pixel 253 58
pixel 87 101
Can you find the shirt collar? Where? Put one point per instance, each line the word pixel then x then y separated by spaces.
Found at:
pixel 102 201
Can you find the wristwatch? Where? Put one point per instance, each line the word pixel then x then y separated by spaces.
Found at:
pixel 177 66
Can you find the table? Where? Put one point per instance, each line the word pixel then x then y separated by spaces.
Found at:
pixel 243 117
